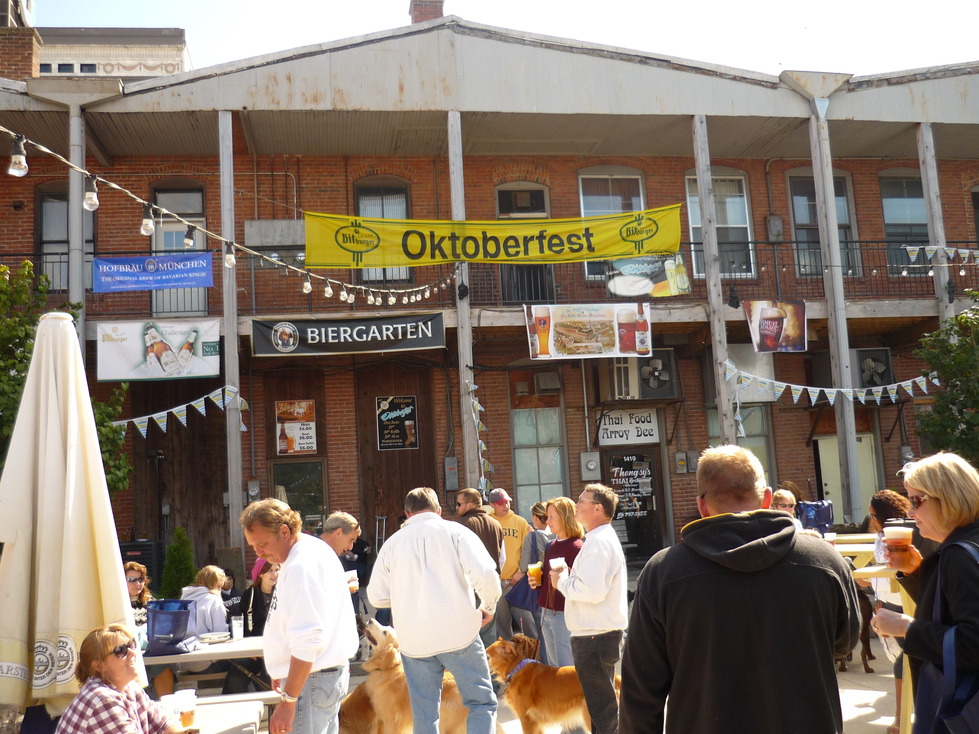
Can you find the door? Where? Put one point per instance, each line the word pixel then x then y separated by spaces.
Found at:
pixel 828 454
pixel 389 468
pixel 635 473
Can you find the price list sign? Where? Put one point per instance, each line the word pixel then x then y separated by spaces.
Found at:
pixel 396 427
pixel 295 427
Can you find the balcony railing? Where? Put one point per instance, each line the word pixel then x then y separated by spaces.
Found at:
pixel 871 270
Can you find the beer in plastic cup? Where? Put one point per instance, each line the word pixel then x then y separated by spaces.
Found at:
pixel 558 563
pixel 237 627
pixel 353 582
pixel 898 541
pixel 187 705
pixel 534 571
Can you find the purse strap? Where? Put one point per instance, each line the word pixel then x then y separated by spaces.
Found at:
pixel 956 690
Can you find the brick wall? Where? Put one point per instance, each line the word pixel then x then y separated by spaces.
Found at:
pixel 19 53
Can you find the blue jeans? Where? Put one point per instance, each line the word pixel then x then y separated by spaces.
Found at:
pixel 319 701
pixel 557 639
pixel 468 665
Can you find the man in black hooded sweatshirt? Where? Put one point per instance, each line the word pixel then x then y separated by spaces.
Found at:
pixel 735 629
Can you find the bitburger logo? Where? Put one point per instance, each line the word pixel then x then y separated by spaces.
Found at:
pixel 285 336
pixel 67 659
pixel 45 663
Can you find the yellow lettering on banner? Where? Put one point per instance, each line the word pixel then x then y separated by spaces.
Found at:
pixel 353 242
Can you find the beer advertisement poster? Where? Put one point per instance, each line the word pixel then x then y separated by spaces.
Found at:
pixel 158 349
pixel 588 331
pixel 396 428
pixel 295 427
pixel 777 326
pixel 658 276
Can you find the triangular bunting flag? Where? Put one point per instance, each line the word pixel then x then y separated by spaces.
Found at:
pixel 813 396
pixel 922 384
pixel 729 370
pixel 481 426
pixel 242 427
pixel 796 393
pixel 862 395
pixel 908 388
pixel 848 394
pixel 779 389
pixel 482 445
pixel 913 251
pixel 930 251
pixel 141 424
pixel 877 392
pixel 762 385
pixel 484 484
pixel 242 404
pixel 473 388
pixel 161 421
pixel 200 405
pixel 830 396
pixel 217 397
pixel 964 254
pixel 934 379
pixel 181 413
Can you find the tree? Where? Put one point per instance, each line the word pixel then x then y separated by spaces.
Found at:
pixel 23 300
pixel 178 569
pixel 952 351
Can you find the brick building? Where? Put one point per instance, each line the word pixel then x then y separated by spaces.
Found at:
pixel 823 187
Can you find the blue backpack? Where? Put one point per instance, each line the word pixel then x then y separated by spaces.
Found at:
pixel 817 515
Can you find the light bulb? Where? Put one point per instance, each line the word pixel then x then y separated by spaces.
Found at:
pixel 229 256
pixel 91 202
pixel 392 299
pixel 962 271
pixel 343 294
pixel 189 236
pixel 930 272
pixel 350 297
pixel 904 271
pixel 404 300
pixel 370 298
pixel 307 286
pixel 148 227
pixel 328 290
pixel 18 157
pixel 428 292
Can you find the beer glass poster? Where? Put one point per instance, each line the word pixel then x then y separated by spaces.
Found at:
pixel 396 427
pixel 777 326
pixel 587 331
pixel 295 427
pixel 158 350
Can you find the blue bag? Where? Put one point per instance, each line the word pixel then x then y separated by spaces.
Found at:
pixel 171 627
pixel 817 515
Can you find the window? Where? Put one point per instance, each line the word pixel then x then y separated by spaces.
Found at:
pixel 524 283
pixel 87 68
pixel 45 68
pixel 805 222
pixel 905 221
pixel 53 235
pixel 169 238
pixel 756 423
pixel 381 201
pixel 608 190
pixel 66 68
pixel 538 456
pixel 733 230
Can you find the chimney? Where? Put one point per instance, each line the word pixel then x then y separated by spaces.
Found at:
pixel 422 10
pixel 20 53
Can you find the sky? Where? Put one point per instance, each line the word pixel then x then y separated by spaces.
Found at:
pixel 857 37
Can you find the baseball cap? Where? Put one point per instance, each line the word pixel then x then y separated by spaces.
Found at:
pixel 497 496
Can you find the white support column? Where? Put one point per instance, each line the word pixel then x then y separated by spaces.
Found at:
pixel 936 223
pixel 712 270
pixel 76 217
pixel 464 330
pixel 839 339
pixel 230 284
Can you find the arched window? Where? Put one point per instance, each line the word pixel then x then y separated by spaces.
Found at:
pixel 383 197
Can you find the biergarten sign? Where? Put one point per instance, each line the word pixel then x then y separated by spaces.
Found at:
pixel 404 332
pixel 334 241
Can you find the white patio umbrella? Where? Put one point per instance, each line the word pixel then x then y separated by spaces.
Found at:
pixel 61 569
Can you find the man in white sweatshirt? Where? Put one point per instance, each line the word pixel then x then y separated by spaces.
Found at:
pixel 428 573
pixel 310 634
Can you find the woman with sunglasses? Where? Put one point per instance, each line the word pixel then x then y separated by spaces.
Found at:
pixel 110 701
pixel 944 494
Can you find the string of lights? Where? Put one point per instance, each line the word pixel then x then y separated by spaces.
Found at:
pixel 347 292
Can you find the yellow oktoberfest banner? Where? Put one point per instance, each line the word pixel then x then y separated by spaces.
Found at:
pixel 354 242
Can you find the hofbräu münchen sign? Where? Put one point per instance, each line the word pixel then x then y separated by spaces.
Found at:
pixel 404 332
pixel 334 241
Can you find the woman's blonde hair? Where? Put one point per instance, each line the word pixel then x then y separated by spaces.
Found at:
pixel 97 646
pixel 565 510
pixel 210 577
pixel 144 594
pixel 952 481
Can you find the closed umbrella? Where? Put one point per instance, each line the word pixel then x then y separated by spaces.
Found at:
pixel 61 569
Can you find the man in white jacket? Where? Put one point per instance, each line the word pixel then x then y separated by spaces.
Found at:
pixel 428 573
pixel 310 633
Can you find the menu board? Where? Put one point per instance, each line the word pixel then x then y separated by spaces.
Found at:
pixel 630 475
pixel 396 428
pixel 295 428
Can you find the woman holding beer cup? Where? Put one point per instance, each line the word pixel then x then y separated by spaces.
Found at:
pixel 944 494
pixel 110 701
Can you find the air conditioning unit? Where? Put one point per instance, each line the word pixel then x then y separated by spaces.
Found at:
pixel 640 378
pixel 869 368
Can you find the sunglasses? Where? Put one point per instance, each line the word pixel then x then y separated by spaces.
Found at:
pixel 783 506
pixel 122 650
pixel 916 501
pixel 136 581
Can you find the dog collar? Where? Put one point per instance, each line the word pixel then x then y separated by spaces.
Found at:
pixel 520 666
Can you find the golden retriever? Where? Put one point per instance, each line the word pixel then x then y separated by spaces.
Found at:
pixel 380 705
pixel 541 696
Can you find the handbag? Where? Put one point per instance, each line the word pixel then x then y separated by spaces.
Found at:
pixel 171 627
pixel 945 694
pixel 520 594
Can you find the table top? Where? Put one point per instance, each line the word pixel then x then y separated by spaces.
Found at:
pixel 246 647
pixel 861 553
pixel 242 717
pixel 856 538
pixel 874 572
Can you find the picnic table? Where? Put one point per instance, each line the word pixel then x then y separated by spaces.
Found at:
pixel 218 717
pixel 246 647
